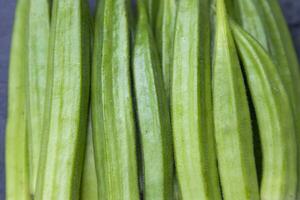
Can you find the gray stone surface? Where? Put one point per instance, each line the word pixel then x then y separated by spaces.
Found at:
pixel 291 11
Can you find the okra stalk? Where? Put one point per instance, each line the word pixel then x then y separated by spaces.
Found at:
pixel 275 119
pixel 191 103
pixel 233 131
pixel 66 112
pixel 112 108
pixel 16 154
pixel 36 76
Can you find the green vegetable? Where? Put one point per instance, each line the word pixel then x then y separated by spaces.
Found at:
pixel 67 96
pixel 249 15
pixel 165 27
pixel 152 8
pixel 38 38
pixel 233 131
pixel 191 103
pixel 112 109
pixel 16 154
pixel 284 56
pixel 275 119
pixel 152 112
pixel 89 179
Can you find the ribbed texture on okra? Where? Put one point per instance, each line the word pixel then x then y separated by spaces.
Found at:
pixel 36 78
pixel 275 119
pixel 191 103
pixel 248 14
pixel 89 186
pixel 164 34
pixel 285 58
pixel 66 112
pixel 112 109
pixel 152 112
pixel 231 117
pixel 16 154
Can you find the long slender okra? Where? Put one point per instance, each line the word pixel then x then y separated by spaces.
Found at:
pixel 249 15
pixel 191 103
pixel 233 131
pixel 165 27
pixel 284 56
pixel 152 9
pixel 89 186
pixel 152 112
pixel 112 109
pixel 275 119
pixel 36 76
pixel 67 95
pixel 16 154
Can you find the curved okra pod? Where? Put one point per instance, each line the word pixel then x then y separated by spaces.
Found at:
pixel 66 112
pixel 16 154
pixel 112 109
pixel 191 103
pixel 249 16
pixel 233 131
pixel 275 119
pixel 285 58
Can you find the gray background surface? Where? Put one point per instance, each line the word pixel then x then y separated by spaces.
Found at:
pixel 291 10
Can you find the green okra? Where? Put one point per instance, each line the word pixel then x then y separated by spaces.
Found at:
pixel 67 95
pixel 249 16
pixel 152 112
pixel 16 154
pixel 89 186
pixel 232 124
pixel 191 109
pixel 152 9
pixel 285 58
pixel 275 119
pixel 112 108
pixel 36 76
pixel 164 35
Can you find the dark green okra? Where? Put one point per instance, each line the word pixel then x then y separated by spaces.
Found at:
pixel 165 27
pixel 16 154
pixel 112 109
pixel 233 131
pixel 275 119
pixel 66 112
pixel 152 9
pixel 152 112
pixel 191 103
pixel 36 78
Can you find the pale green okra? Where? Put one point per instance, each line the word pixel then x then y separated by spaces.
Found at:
pixel 67 95
pixel 16 154
pixel 191 109
pixel 233 132
pixel 112 107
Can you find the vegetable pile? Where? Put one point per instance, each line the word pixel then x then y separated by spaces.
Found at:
pixel 157 100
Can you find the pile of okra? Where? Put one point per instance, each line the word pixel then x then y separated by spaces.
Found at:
pixel 153 100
